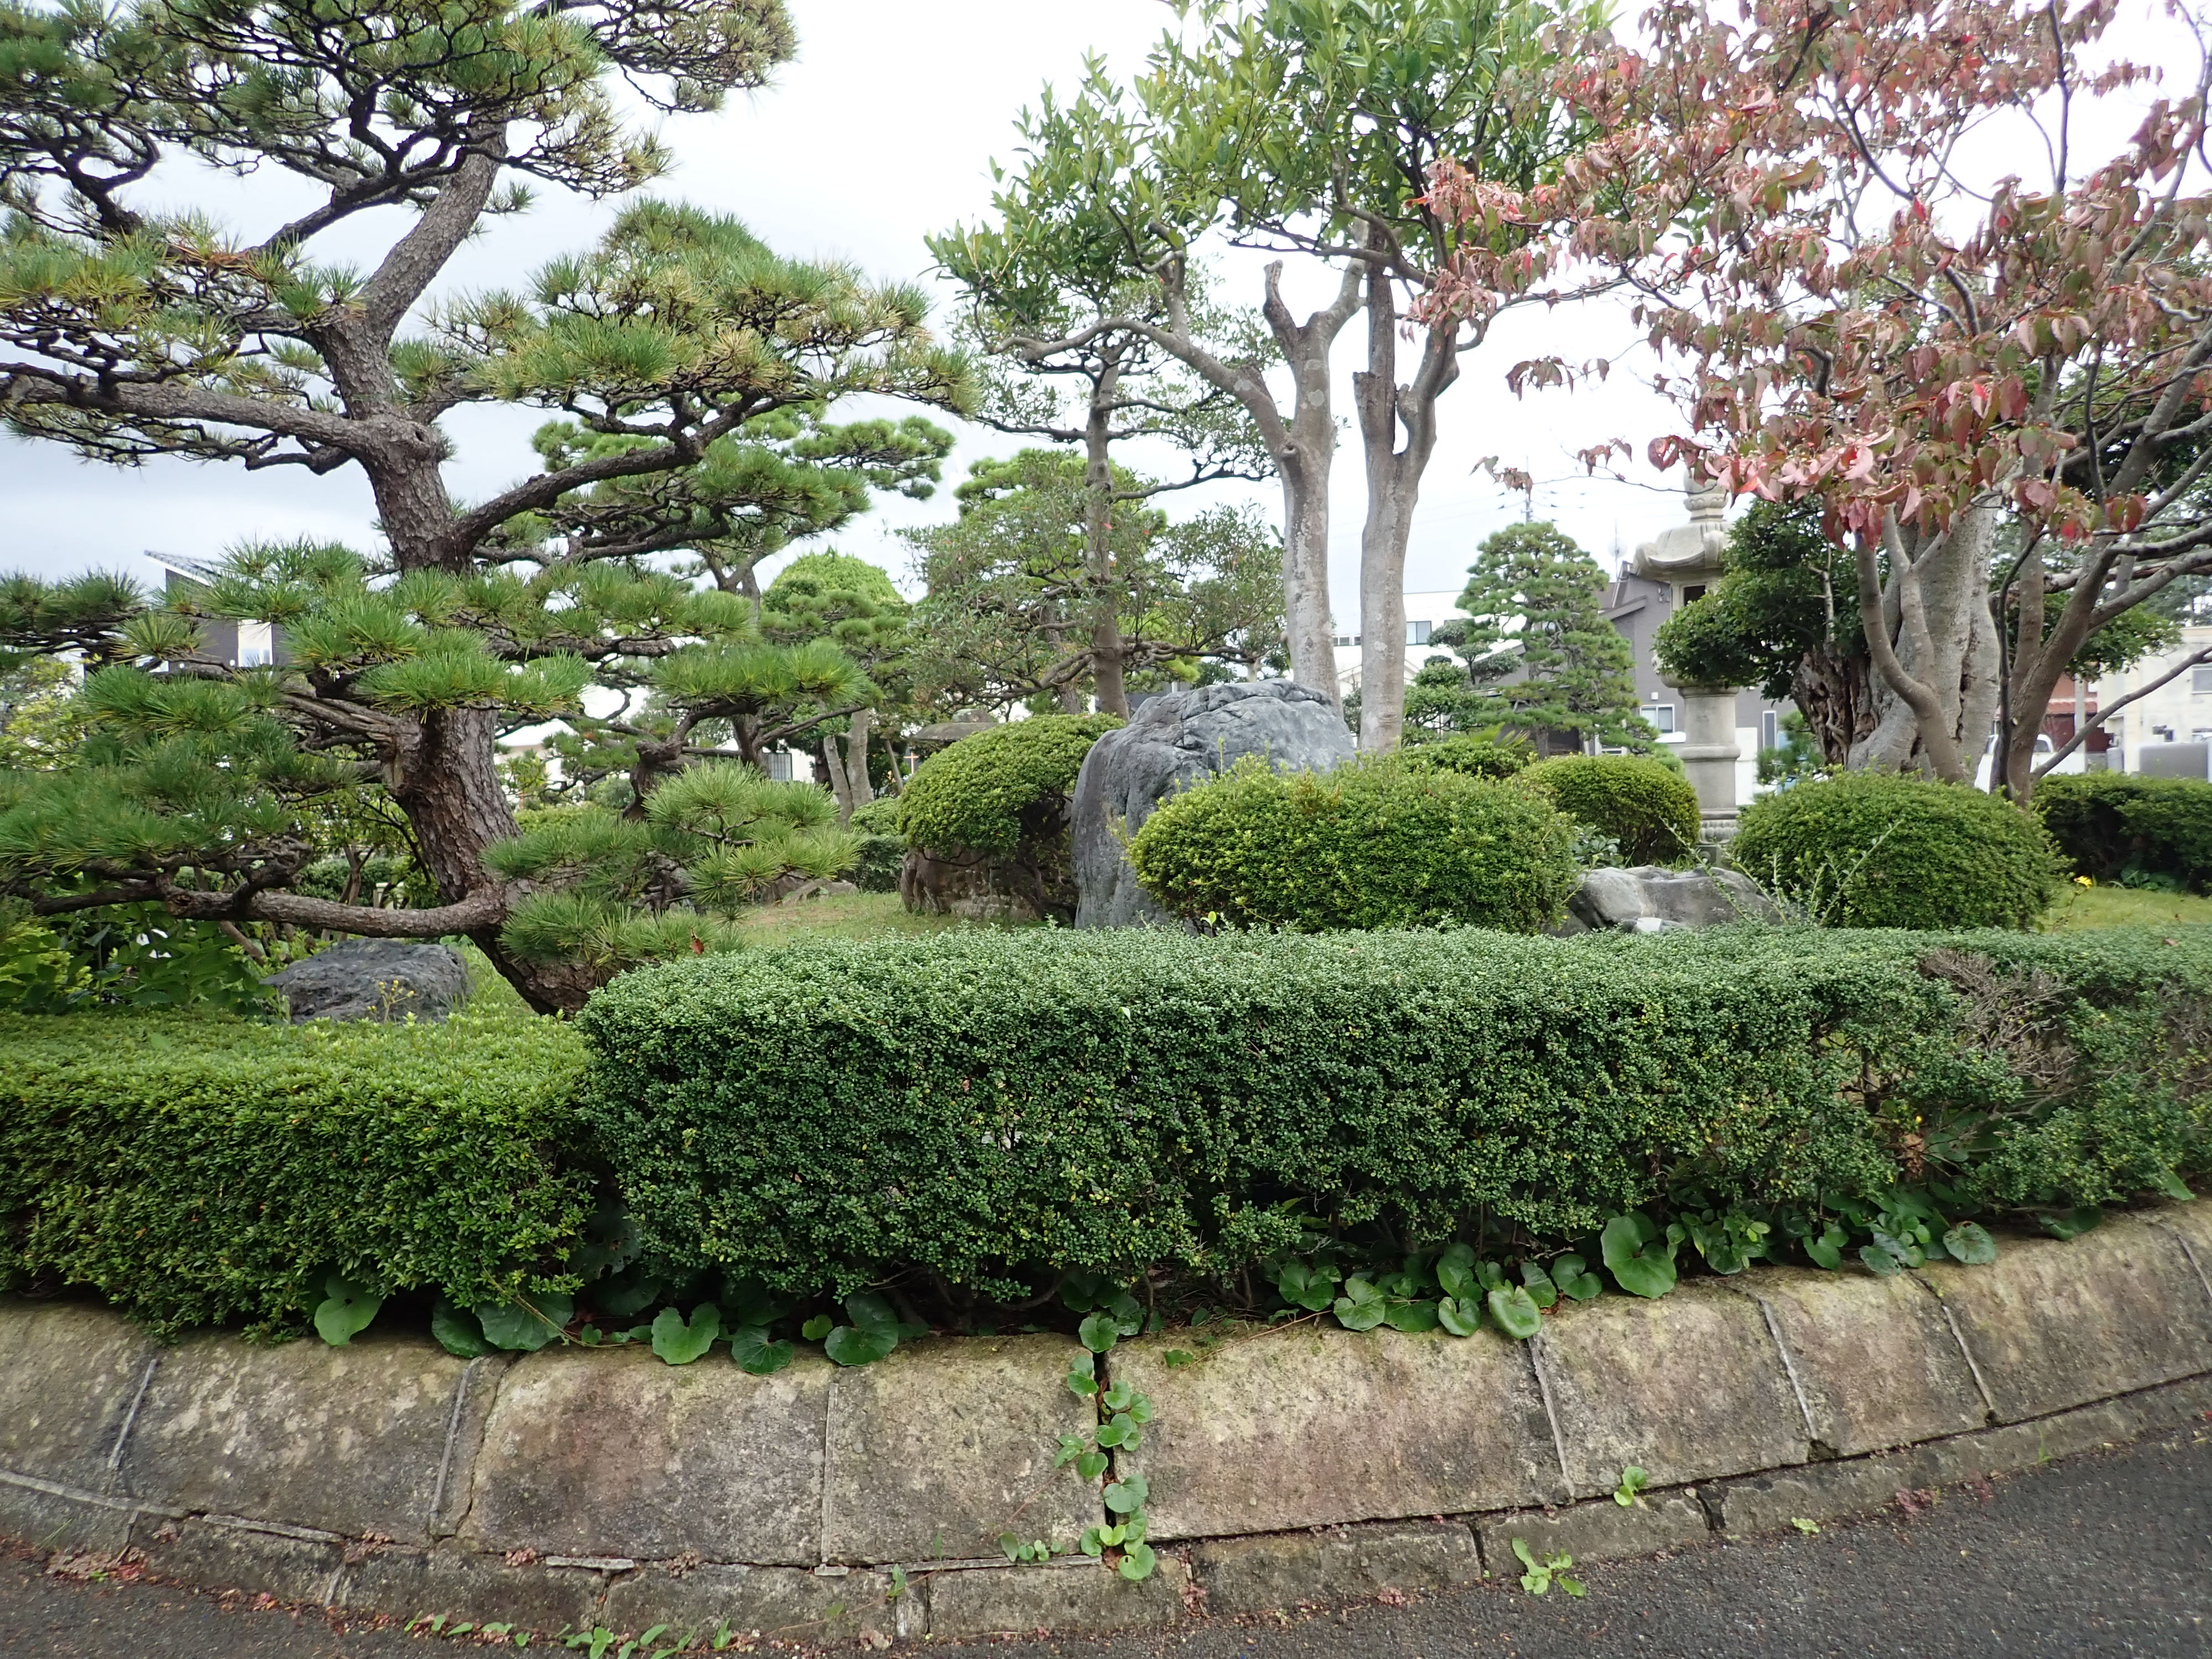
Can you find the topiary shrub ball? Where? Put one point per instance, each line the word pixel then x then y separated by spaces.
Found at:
pixel 1875 849
pixel 991 791
pixel 1371 844
pixel 1646 805
pixel 1477 757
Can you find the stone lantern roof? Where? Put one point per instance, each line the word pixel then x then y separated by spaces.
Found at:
pixel 1690 553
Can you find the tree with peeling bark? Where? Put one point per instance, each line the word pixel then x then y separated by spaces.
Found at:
pixel 1091 210
pixel 126 332
pixel 1315 127
pixel 1906 288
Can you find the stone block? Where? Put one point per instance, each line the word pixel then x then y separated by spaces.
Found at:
pixel 1349 1564
pixel 2055 1324
pixel 1874 1359
pixel 790 1606
pixel 1818 1491
pixel 463 1584
pixel 72 1374
pixel 1688 1388
pixel 2192 1224
pixel 933 1451
pixel 350 1439
pixel 1065 1598
pixel 1308 1426
pixel 49 1519
pixel 1601 1531
pixel 604 1453
pixel 215 1555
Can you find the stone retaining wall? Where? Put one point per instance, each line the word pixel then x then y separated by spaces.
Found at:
pixel 1301 1465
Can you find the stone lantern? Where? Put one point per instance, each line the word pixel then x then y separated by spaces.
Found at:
pixel 1689 558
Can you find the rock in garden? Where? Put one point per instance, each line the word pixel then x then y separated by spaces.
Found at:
pixel 1650 899
pixel 374 979
pixel 1172 742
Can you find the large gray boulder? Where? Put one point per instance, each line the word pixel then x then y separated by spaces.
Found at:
pixel 1173 741
pixel 1650 899
pixel 384 979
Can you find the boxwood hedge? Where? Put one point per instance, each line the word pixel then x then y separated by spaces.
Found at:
pixel 985 1111
pixel 201 1170
pixel 2124 827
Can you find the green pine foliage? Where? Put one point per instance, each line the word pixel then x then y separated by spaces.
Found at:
pixel 1645 805
pixel 1539 656
pixel 1875 849
pixel 994 1110
pixel 197 1170
pixel 1373 843
pixel 2120 827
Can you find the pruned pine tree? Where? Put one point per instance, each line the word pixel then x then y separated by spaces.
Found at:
pixel 1542 660
pixel 128 331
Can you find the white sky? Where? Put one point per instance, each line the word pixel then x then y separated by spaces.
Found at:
pixel 881 132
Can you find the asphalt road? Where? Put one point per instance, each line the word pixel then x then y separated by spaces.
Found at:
pixel 2108 1554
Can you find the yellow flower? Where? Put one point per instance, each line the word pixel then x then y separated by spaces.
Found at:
pixel 2083 881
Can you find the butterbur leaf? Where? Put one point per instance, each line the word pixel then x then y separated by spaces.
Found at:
pixel 1362 1306
pixel 852 1345
pixel 625 1294
pixel 345 1311
pixel 818 1328
pixel 1634 1254
pixel 1098 1332
pixel 457 1331
pixel 1540 1287
pixel 1515 1311
pixel 1970 1243
pixel 525 1327
pixel 1461 1317
pixel 1489 1274
pixel 2173 1187
pixel 870 1312
pixel 1308 1285
pixel 1456 1270
pixel 1905 1247
pixel 1827 1251
pixel 678 1341
pixel 1091 1465
pixel 1129 1314
pixel 1573 1277
pixel 751 1347
pixel 1885 1265
pixel 1412 1316
pixel 1137 1563
pixel 2070 1224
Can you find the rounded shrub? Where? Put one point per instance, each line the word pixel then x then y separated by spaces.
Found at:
pixel 1875 849
pixel 2122 827
pixel 991 791
pixel 1476 756
pixel 1371 844
pixel 1646 806
pixel 883 849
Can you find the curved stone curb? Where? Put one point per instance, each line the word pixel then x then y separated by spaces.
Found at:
pixel 1301 1466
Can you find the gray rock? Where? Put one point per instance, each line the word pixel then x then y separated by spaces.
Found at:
pixel 1650 899
pixel 374 979
pixel 1173 741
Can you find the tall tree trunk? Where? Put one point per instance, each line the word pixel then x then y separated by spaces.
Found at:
pixel 1934 645
pixel 1833 690
pixel 1106 665
pixel 1394 487
pixel 856 758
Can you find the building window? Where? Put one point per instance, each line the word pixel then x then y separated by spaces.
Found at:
pixel 1692 594
pixel 2200 681
pixel 256 644
pixel 1417 633
pixel 1347 639
pixel 1770 729
pixel 1661 714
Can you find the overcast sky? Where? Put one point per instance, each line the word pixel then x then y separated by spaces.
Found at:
pixel 881 132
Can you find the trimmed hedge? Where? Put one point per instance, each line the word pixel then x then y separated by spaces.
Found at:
pixel 2117 826
pixel 1371 844
pixel 1646 806
pixel 882 849
pixel 1875 849
pixel 1477 757
pixel 200 1170
pixel 987 1110
pixel 994 791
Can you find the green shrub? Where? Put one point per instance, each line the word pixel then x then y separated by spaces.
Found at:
pixel 1476 756
pixel 1874 849
pixel 197 1171
pixel 986 1111
pixel 2119 827
pixel 1646 806
pixel 998 789
pixel 882 849
pixel 1371 844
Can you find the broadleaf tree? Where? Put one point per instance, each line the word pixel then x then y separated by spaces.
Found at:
pixel 130 329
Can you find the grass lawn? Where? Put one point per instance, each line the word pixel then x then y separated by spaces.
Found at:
pixel 844 915
pixel 2080 908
